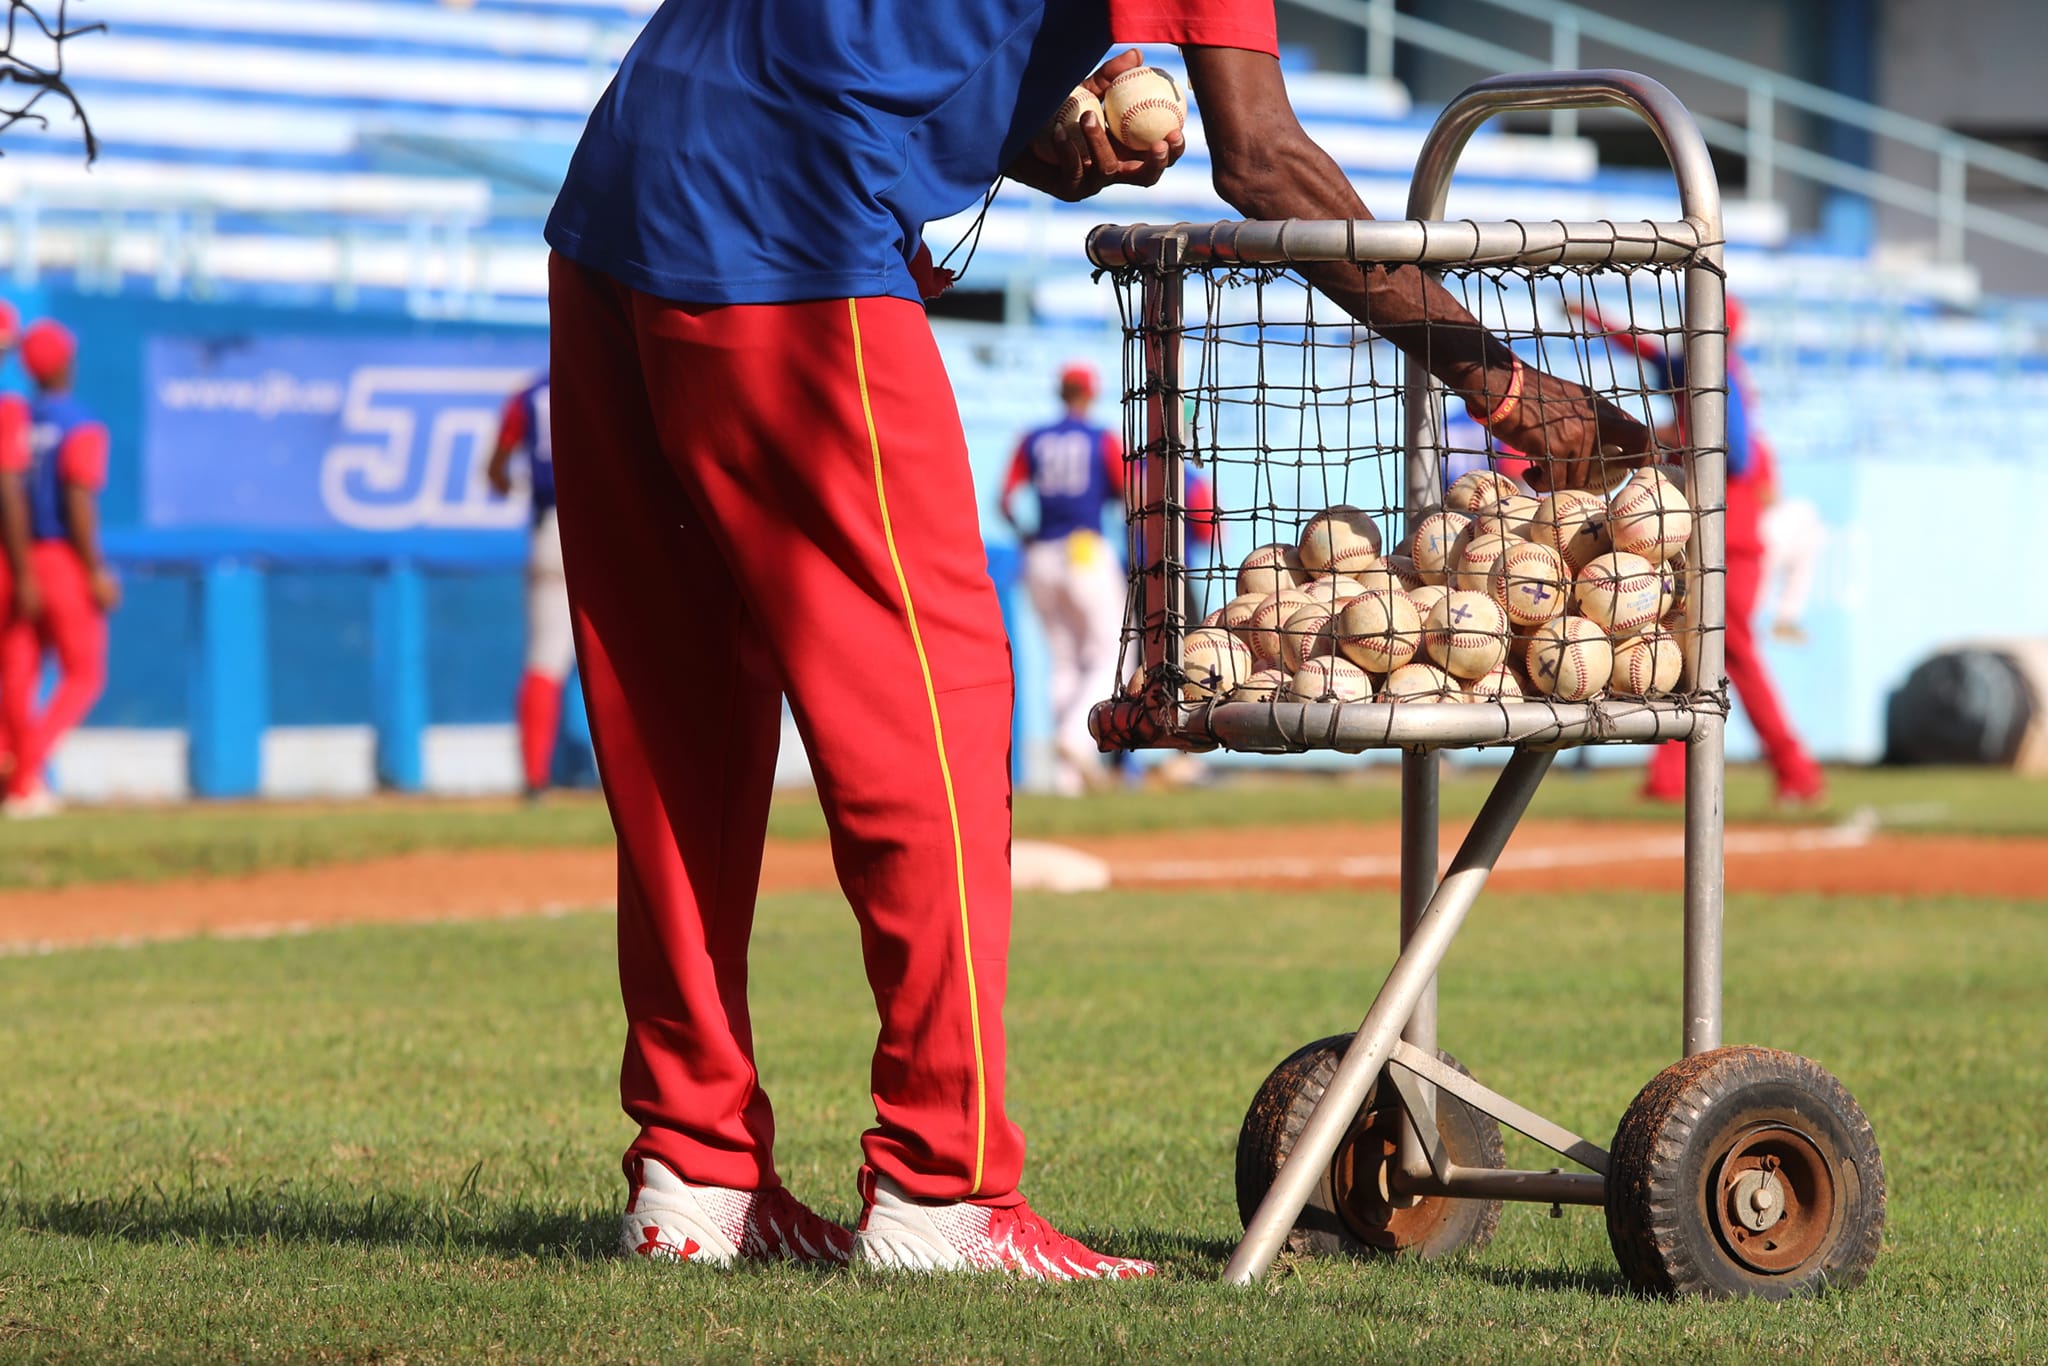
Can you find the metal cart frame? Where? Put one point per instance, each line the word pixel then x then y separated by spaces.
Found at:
pixel 1401 1027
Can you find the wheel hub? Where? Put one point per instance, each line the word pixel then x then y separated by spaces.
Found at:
pixel 1359 1182
pixel 1772 1199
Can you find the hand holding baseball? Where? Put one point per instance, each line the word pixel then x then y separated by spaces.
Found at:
pixel 1571 435
pixel 1078 157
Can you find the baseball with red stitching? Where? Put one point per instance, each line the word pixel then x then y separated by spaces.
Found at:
pixel 1569 659
pixel 1467 634
pixel 1380 631
pixel 1143 106
pixel 1330 678
pixel 1269 569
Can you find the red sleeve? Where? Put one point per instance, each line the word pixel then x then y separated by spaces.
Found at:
pixel 1020 473
pixel 1247 24
pixel 512 426
pixel 14 426
pixel 82 459
pixel 1635 343
pixel 1201 501
pixel 1113 461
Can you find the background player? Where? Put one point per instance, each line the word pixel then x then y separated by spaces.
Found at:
pixel 766 470
pixel 550 640
pixel 1075 576
pixel 1751 487
pixel 67 468
pixel 18 599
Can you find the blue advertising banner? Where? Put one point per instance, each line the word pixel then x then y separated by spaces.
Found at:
pixel 330 434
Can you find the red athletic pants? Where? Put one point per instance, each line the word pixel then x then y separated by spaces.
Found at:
pixel 768 499
pixel 74 628
pixel 1789 761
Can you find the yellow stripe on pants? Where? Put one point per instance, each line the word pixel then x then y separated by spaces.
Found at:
pixel 939 739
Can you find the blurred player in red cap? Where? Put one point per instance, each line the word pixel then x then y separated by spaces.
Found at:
pixel 550 640
pixel 765 491
pixel 18 599
pixel 67 468
pixel 1751 487
pixel 1075 468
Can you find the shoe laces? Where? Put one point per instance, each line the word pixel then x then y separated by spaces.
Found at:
pixel 780 1225
pixel 1041 1251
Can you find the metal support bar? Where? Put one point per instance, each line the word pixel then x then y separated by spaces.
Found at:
pixel 1485 1183
pixel 1379 41
pixel 1523 1121
pixel 1762 143
pixel 1419 866
pixel 1421 1131
pixel 1564 56
pixel 1951 180
pixel 1374 1043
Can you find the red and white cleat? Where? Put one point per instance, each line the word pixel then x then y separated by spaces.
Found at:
pixel 668 1219
pixel 898 1233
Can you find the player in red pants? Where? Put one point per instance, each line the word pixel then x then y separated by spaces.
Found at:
pixel 550 645
pixel 1751 479
pixel 67 468
pixel 1797 778
pixel 18 598
pixel 764 490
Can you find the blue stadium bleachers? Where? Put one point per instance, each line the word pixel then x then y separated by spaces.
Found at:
pixel 358 165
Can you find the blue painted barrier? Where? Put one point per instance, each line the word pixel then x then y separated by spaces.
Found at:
pixel 230 682
pixel 398 673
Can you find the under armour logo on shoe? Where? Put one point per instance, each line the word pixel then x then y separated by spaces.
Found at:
pixel 654 1245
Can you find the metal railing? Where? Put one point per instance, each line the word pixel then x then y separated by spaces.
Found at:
pixel 1946 202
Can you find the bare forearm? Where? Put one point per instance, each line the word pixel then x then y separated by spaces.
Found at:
pixel 82 518
pixel 14 528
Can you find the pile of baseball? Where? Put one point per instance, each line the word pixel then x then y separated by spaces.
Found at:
pixel 1497 595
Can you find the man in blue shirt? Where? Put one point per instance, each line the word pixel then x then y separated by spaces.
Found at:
pixel 1075 469
pixel 764 489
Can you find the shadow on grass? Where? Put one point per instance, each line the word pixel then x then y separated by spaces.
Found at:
pixel 295 1214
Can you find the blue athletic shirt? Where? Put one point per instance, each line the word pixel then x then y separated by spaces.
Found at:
pixel 767 151
pixel 1068 465
pixel 67 445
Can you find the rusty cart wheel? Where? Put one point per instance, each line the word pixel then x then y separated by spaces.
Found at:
pixel 1744 1171
pixel 1350 1211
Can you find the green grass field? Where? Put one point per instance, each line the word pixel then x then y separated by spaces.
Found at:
pixel 207 840
pixel 400 1144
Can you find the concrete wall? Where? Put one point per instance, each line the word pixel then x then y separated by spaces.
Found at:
pixel 1972 63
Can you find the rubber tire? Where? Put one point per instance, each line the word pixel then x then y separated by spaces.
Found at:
pixel 1678 1129
pixel 1281 1110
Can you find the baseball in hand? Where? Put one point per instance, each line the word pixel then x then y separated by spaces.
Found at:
pixel 1143 106
pixel 1082 101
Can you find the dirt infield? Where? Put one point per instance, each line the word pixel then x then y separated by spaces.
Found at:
pixel 1544 855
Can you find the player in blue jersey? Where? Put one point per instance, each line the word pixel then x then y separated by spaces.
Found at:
pixel 67 469
pixel 1075 470
pixel 764 491
pixel 524 432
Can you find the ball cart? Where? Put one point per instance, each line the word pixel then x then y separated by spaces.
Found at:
pixel 1736 1170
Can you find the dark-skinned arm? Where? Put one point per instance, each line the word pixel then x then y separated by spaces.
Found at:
pixel 14 541
pixel 1267 167
pixel 82 520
